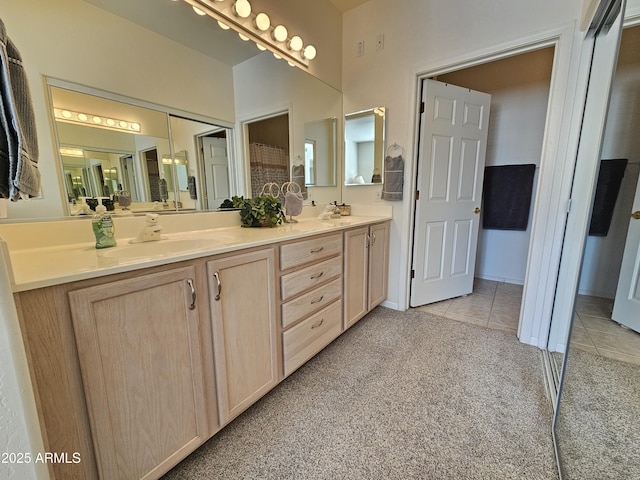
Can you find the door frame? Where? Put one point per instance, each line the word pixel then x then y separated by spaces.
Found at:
pixel 560 141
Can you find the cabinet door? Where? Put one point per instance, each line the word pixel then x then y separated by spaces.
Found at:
pixel 243 313
pixel 356 261
pixel 139 350
pixel 378 263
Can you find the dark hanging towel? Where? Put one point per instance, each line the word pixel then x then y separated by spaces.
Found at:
pixel 607 189
pixel 506 198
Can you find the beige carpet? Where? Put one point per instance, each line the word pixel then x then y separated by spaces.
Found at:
pixel 597 431
pixel 401 395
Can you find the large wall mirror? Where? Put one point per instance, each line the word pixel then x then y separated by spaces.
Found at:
pixel 594 342
pixel 188 85
pixel 364 146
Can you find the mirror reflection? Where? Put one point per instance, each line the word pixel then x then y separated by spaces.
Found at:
pixel 132 158
pixel 598 410
pixel 364 146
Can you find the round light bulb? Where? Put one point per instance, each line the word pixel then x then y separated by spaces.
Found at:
pixel 96 119
pixel 223 26
pixel 260 47
pixel 277 56
pixel 82 117
pixel 243 37
pixel 198 11
pixel 280 33
pixel 65 114
pixel 242 8
pixel 309 52
pixel 122 124
pixel 295 43
pixel 135 126
pixel 262 22
pixel 111 122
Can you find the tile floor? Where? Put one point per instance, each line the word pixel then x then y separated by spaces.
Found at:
pixel 595 332
pixel 492 304
pixel 496 305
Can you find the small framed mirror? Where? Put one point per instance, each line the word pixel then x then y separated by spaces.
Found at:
pixel 364 145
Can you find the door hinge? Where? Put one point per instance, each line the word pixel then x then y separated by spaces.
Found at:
pixel 421 107
pixel 569 205
pixel 413 273
pixel 417 194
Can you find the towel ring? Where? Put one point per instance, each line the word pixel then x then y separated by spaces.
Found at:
pixel 271 189
pixel 292 187
pixel 395 146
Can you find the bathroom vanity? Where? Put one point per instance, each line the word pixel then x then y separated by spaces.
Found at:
pixel 140 353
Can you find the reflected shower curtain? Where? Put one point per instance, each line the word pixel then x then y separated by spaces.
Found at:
pixel 268 164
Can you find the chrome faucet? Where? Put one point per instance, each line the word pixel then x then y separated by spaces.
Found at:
pixel 151 230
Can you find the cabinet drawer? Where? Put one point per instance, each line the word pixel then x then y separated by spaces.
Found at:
pixel 305 251
pixel 301 280
pixel 304 340
pixel 317 298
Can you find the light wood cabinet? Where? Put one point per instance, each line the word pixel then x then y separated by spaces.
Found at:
pixel 366 263
pixel 135 370
pixel 243 296
pixel 310 289
pixel 139 354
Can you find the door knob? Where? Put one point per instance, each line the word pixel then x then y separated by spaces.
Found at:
pixel 476 210
pixel 636 215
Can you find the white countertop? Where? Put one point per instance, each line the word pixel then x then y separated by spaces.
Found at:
pixel 45 266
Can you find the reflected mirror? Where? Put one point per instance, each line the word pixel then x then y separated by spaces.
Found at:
pixel 137 159
pixel 364 146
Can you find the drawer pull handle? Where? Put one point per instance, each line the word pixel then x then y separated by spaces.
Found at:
pixel 218 286
pixel 318 275
pixel 316 325
pixel 316 250
pixel 317 300
pixel 193 294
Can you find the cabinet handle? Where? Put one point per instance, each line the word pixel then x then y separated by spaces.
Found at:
pixel 316 325
pixel 316 250
pixel 373 238
pixel 367 240
pixel 218 286
pixel 193 295
pixel 314 277
pixel 317 300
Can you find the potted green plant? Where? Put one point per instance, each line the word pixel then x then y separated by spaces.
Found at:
pixel 261 211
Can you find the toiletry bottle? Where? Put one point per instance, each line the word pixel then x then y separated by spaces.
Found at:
pixel 103 228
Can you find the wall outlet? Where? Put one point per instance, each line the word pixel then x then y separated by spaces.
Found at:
pixel 360 48
pixel 380 42
pixel 379 196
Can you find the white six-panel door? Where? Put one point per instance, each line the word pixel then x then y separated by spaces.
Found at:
pixel 453 140
pixel 626 308
pixel 216 162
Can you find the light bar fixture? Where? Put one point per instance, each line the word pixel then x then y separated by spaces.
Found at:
pixel 93 120
pixel 257 27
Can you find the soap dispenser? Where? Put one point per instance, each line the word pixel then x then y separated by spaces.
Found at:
pixel 103 228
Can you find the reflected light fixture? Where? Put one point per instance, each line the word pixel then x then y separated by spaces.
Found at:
pixel 257 27
pixel 71 152
pixel 110 123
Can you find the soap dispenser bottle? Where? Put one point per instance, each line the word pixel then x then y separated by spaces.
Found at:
pixel 103 228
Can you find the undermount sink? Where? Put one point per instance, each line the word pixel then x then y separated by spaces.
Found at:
pixel 159 247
